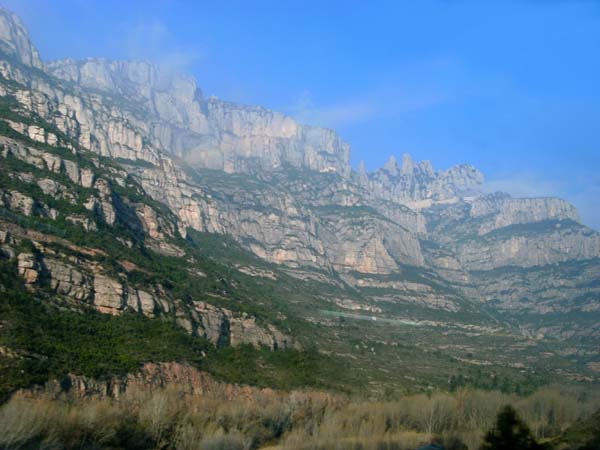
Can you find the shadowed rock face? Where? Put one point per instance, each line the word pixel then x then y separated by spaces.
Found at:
pixel 184 379
pixel 281 189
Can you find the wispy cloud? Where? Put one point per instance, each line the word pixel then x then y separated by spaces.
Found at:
pixel 587 201
pixel 306 110
pixel 151 39
pixel 404 91
pixel 524 185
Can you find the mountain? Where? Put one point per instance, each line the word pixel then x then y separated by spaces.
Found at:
pixel 125 191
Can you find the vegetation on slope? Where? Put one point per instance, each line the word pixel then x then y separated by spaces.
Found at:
pixel 44 340
pixel 345 351
pixel 168 419
pixel 583 435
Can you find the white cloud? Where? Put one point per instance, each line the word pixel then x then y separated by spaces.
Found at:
pixel 154 41
pixel 416 86
pixel 357 110
pixel 383 101
pixel 587 201
pixel 524 185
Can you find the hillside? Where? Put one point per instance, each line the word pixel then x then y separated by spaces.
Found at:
pixel 143 222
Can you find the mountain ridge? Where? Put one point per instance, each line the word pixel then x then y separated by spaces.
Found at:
pixel 160 177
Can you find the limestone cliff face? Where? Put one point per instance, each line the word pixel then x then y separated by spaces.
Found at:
pixel 151 377
pixel 555 300
pixel 283 190
pixel 209 132
pixel 537 288
pixel 285 227
pixel 367 243
pixel 14 40
pixel 501 210
pixel 418 185
pixel 532 245
pixel 74 274
pixel 85 282
pixel 82 281
pixel 222 326
pixel 496 230
pixel 525 232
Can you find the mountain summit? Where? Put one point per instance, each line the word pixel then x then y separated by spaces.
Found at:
pixel 126 191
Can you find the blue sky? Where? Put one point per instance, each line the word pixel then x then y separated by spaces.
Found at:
pixel 510 86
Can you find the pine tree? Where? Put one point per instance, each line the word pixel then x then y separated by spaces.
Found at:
pixel 510 433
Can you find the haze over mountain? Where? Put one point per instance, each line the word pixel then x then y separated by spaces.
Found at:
pixel 443 81
pixel 182 271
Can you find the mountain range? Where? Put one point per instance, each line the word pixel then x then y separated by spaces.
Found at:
pixel 125 191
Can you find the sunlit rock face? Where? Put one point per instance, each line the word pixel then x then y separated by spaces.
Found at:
pixel 14 40
pixel 417 185
pixel 208 132
pixel 283 190
pixel 504 210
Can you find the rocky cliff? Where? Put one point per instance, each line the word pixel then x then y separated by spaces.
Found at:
pixel 76 193
pixel 122 185
pixel 208 132
pixel 15 42
pixel 417 185
pixel 183 379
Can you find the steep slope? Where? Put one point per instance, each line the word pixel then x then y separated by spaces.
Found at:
pixel 530 258
pixel 78 236
pixel 63 203
pixel 125 190
pixel 209 132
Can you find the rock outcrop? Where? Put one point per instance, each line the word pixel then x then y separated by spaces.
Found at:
pixel 14 40
pixel 418 185
pixel 127 145
pixel 84 282
pixel 206 132
pixel 173 378
pixel 536 244
pixel 500 210
pixel 222 326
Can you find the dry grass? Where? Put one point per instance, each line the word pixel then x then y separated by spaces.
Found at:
pixel 167 419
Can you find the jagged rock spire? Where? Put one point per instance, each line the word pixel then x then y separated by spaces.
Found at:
pixel 363 177
pixel 14 40
pixel 425 168
pixel 361 168
pixel 391 165
pixel 408 167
